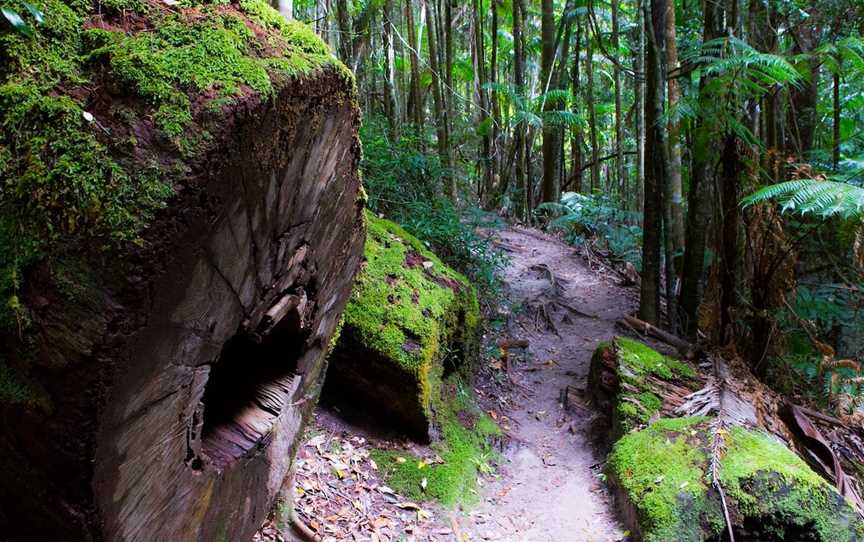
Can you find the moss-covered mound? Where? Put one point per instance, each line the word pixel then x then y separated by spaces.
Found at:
pixel 109 108
pixel 410 321
pixel 463 453
pixel 663 477
pixel 621 377
pixel 661 468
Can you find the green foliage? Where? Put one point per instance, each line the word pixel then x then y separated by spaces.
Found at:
pixel 17 22
pixel 823 198
pixel 597 219
pixel 405 183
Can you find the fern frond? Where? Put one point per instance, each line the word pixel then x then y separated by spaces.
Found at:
pixel 809 196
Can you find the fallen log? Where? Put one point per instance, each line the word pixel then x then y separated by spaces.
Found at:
pixel 686 349
pixel 167 384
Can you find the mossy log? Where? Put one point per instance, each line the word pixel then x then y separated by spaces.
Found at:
pixel 155 386
pixel 665 471
pixel 411 320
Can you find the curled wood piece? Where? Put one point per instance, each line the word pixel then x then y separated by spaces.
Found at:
pixel 302 530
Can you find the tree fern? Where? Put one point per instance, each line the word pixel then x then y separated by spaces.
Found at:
pixel 809 196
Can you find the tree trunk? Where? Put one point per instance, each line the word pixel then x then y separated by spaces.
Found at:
pixel 551 189
pixel 592 114
pixel 498 178
pixel 619 124
pixel 674 201
pixel 655 175
pixel 438 99
pixel 391 108
pixel 576 131
pixel 178 382
pixel 705 152
pixel 415 104
pixel 343 20
pixel 483 118
pixel 835 147
pixel 521 196
pixel 639 91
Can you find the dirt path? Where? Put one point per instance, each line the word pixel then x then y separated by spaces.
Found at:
pixel 549 490
pixel 546 487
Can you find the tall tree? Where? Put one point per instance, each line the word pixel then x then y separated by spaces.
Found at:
pixel 521 203
pixel 391 108
pixel 438 102
pixel 415 105
pixel 656 162
pixel 619 125
pixel 706 148
pixel 592 107
pixel 551 189
pixel 576 131
pixel 674 201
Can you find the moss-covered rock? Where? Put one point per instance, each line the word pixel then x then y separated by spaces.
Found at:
pixel 410 321
pixel 662 477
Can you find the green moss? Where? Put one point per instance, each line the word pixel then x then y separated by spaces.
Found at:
pixel 765 478
pixel 407 306
pixel 465 453
pixel 663 472
pixel 641 360
pixel 66 175
pixel 660 469
pixel 636 403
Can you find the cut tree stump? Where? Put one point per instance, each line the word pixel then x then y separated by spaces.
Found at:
pixel 177 382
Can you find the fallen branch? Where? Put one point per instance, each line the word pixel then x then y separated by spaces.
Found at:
pixel 644 328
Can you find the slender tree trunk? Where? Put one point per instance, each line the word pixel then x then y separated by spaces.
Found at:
pixel 391 108
pixel 521 197
pixel 495 165
pixel 483 105
pixel 551 189
pixel 640 109
pixel 343 21
pixel 576 131
pixel 674 201
pixel 655 178
pixel 835 150
pixel 592 113
pixel 705 152
pixel 440 116
pixel 415 105
pixel 619 125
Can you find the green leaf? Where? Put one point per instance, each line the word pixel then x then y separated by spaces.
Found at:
pixel 35 12
pixel 16 21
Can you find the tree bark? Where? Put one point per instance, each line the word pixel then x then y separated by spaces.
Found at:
pixel 592 113
pixel 391 107
pixel 655 176
pixel 551 189
pixel 343 21
pixel 674 201
pixel 835 146
pixel 438 99
pixel 576 131
pixel 705 152
pixel 415 104
pixel 179 382
pixel 619 124
pixel 521 196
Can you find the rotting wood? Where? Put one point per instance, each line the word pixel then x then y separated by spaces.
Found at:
pixel 131 450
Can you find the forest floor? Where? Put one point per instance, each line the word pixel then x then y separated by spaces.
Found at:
pixel 546 486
